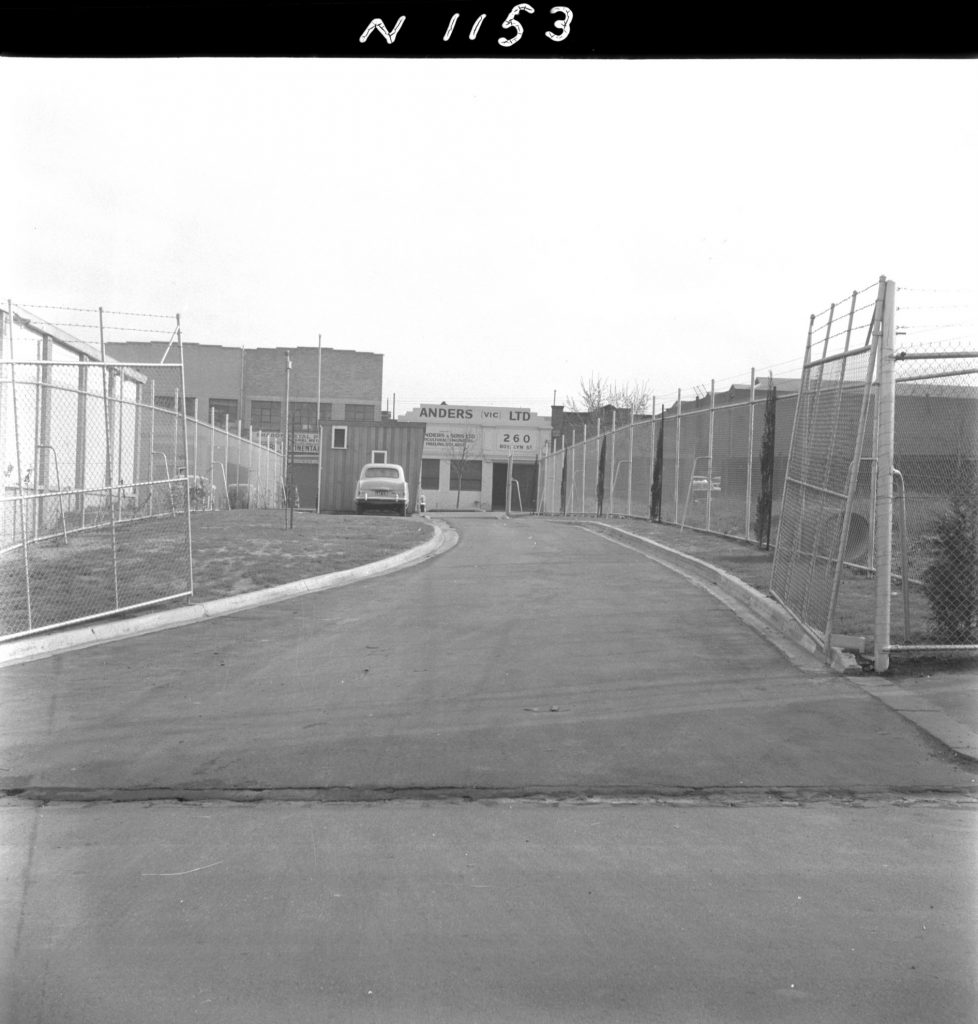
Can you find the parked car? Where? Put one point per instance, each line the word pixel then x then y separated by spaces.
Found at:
pixel 382 485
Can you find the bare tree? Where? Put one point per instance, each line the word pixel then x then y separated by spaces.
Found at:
pixel 597 392
pixel 458 450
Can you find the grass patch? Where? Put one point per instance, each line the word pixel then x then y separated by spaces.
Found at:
pixel 233 553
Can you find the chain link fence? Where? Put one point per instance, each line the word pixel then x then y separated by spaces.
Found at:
pixel 861 469
pixel 231 471
pixel 703 463
pixel 934 599
pixel 101 466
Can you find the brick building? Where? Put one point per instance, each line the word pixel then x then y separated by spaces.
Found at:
pixel 567 426
pixel 244 391
pixel 247 385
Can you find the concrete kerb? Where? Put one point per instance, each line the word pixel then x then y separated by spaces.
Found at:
pixel 929 719
pixel 57 642
pixel 765 608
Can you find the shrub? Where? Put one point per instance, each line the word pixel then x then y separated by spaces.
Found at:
pixel 239 496
pixel 765 500
pixel 951 579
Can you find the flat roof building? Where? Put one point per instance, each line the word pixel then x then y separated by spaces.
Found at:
pixel 475 456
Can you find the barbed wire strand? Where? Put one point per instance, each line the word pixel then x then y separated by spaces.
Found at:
pixel 848 298
pixel 81 309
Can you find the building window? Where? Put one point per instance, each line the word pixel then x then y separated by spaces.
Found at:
pixel 430 474
pixel 266 416
pixel 223 408
pixel 339 437
pixel 359 413
pixel 303 417
pixel 378 456
pixel 471 471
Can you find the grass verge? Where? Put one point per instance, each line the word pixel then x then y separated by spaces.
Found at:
pixel 233 553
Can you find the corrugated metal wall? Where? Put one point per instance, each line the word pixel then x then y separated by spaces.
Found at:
pixel 403 442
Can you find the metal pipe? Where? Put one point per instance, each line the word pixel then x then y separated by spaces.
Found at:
pixel 57 476
pixel 220 466
pixel 169 480
pixel 901 356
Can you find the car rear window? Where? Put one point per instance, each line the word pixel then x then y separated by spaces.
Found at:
pixel 382 471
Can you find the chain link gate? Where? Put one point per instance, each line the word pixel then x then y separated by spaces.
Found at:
pixel 94 511
pixel 828 464
pixel 879 529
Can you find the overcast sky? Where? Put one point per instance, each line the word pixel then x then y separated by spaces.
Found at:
pixel 497 230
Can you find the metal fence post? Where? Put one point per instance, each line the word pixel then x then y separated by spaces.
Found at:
pixel 186 462
pixel 210 461
pixel 319 465
pixel 883 510
pixel 237 461
pixel 573 472
pixel 709 457
pixel 553 478
pixel 20 482
pixel 584 471
pixel 750 454
pixel 679 420
pixel 611 490
pixel 651 460
pixel 176 428
pixel 631 457
pixel 227 455
pixel 152 445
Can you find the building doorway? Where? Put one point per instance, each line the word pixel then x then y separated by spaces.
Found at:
pixel 499 470
pixel 524 496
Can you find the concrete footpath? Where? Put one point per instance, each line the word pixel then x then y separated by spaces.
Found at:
pixel 943 703
pixel 510 912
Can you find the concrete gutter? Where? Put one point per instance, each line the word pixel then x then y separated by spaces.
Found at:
pixel 777 625
pixel 44 645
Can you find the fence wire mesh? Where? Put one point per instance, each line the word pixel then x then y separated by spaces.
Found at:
pixel 935 563
pixel 697 464
pixel 826 514
pixel 720 462
pixel 101 467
